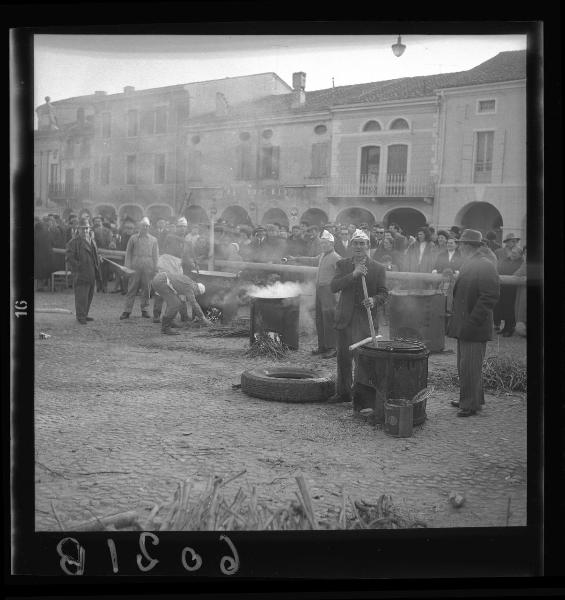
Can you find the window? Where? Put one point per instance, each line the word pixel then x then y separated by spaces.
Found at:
pixel 105 170
pixel 161 119
pixel 106 125
pixel 370 166
pixel 397 167
pixel 54 174
pixel 147 122
pixel 85 179
pixel 399 124
pixel 372 126
pixel 320 129
pixel 320 153
pixel 194 165
pixel 130 168
pixel 159 168
pixel 132 123
pixel 267 134
pixel 85 148
pixel 486 106
pixel 70 148
pixel 269 168
pixel 244 162
pixel 484 143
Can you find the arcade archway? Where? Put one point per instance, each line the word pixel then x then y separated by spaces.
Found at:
pixel 482 216
pixel 356 216
pixel 130 211
pixel 159 211
pixel 107 211
pixel 236 215
pixel 315 216
pixel 196 214
pixel 275 215
pixel 408 219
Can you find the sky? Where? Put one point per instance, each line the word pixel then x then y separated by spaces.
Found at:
pixel 75 65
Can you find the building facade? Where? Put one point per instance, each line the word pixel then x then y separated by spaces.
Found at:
pixel 440 149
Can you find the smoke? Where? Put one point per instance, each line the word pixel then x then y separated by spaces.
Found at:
pixel 291 289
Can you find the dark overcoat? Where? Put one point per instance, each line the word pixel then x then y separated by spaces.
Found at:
pixel 475 293
pixel 83 261
pixel 351 289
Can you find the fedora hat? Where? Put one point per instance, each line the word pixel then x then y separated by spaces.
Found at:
pixel 471 236
pixel 83 224
pixel 510 237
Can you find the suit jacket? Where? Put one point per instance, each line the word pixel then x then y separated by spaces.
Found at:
pixel 443 262
pixel 475 293
pixel 352 289
pixel 413 254
pixel 82 259
pixel 342 250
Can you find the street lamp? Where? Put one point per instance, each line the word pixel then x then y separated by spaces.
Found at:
pixel 398 48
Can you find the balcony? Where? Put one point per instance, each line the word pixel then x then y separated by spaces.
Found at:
pixel 391 185
pixel 66 192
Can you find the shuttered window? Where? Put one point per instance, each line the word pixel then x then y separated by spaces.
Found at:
pixel 320 154
pixel 105 170
pixel 159 168
pixel 131 164
pixel 244 162
pixel 269 166
pixel 147 122
pixel 484 143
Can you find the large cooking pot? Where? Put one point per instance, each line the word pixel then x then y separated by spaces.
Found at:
pixel 278 315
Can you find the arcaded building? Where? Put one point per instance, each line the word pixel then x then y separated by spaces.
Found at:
pixel 441 149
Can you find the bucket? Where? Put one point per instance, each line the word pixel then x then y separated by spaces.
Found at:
pixel 390 370
pixel 398 418
pixel 418 315
pixel 278 315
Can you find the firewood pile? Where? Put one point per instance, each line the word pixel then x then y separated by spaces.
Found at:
pixel 267 345
pixel 504 373
pixel 212 509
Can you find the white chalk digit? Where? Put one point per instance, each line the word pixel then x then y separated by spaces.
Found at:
pixel 194 557
pixel 113 554
pixel 66 559
pixel 229 564
pixel 152 561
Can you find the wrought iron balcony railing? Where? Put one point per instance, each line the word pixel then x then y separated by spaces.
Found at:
pixel 69 190
pixel 397 184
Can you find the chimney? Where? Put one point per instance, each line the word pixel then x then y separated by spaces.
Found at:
pixel 221 105
pixel 129 89
pixel 100 93
pixel 298 85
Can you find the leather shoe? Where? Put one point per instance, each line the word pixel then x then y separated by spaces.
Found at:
pixel 330 354
pixel 455 403
pixel 466 413
pixel 318 351
pixel 82 321
pixel 124 315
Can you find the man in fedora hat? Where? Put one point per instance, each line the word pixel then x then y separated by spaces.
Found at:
pixel 475 293
pixel 142 254
pixel 82 257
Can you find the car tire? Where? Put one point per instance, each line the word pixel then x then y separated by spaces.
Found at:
pixel 288 384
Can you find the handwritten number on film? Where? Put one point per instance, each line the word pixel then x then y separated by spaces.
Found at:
pixel 21 308
pixel 73 563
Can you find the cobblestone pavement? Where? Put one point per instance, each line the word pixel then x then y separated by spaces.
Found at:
pixel 122 413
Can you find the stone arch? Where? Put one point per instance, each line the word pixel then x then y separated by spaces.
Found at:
pixel 236 215
pixel 275 215
pixel 132 211
pixel 408 219
pixel 108 211
pixel 196 214
pixel 482 216
pixel 356 216
pixel 159 211
pixel 315 216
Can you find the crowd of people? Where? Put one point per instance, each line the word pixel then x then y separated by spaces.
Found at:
pixel 429 251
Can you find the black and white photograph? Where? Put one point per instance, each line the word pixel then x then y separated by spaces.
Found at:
pixel 279 284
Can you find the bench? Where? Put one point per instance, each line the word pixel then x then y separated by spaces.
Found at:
pixel 59 277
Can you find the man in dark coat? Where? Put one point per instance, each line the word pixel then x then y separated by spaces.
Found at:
pixel 475 294
pixel 351 320
pixel 83 261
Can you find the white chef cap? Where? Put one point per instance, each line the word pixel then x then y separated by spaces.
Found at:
pixel 360 234
pixel 201 288
pixel 326 235
pixel 182 221
pixel 145 221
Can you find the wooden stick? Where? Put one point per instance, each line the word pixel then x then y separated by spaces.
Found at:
pixel 369 315
pixel 59 522
pixel 307 500
pixel 119 521
pixel 365 341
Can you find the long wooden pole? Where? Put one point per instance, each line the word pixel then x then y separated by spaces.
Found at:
pixel 369 315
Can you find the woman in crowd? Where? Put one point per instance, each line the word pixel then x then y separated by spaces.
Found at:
pixel 420 255
pixel 504 310
pixel 387 249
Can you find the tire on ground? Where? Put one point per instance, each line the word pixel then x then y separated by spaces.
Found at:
pixel 288 384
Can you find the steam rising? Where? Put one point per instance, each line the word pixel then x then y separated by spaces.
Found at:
pixel 278 289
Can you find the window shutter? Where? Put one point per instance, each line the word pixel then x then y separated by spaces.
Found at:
pixel 239 168
pixel 320 154
pixel 498 156
pixel 467 158
pixel 275 162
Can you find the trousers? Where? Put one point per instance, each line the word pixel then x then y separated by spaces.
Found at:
pixel 84 291
pixel 357 330
pixel 173 302
pixel 158 307
pixel 325 317
pixel 139 280
pixel 470 357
